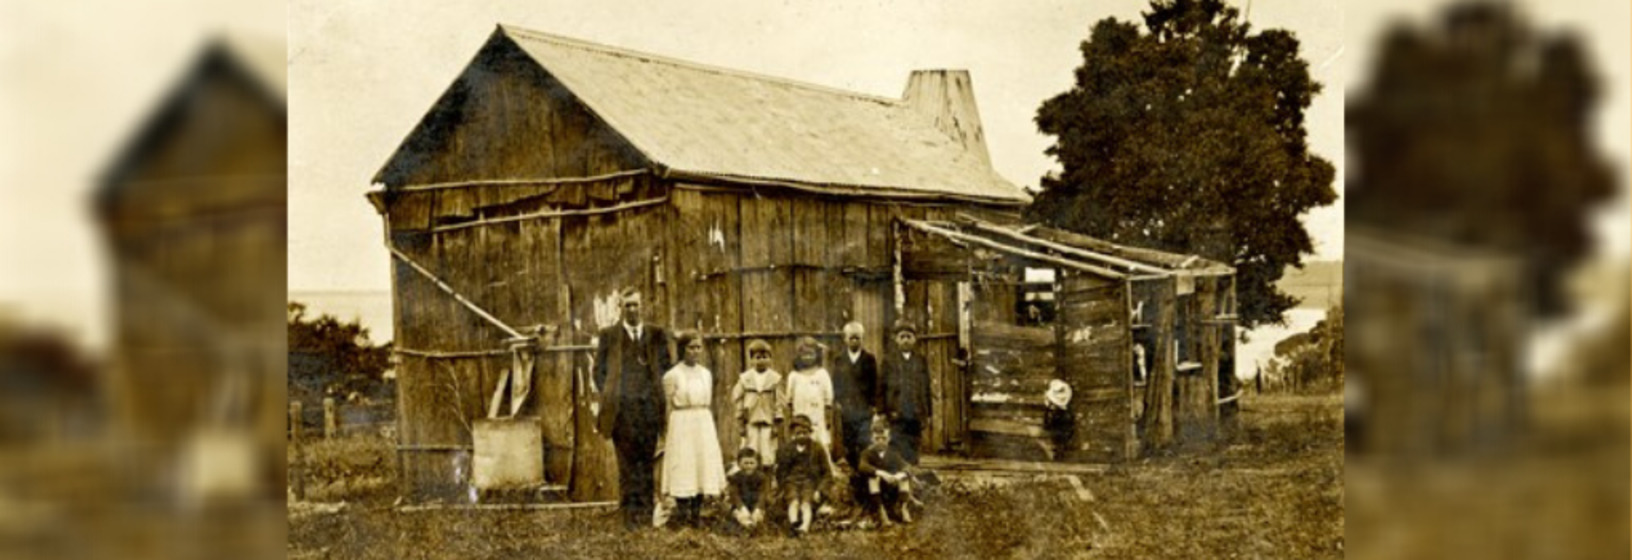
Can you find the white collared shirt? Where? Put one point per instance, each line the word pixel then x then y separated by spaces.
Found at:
pixel 854 356
pixel 634 331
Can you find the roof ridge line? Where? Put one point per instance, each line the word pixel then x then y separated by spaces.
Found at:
pixel 692 65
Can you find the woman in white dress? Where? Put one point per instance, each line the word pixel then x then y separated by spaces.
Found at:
pixel 693 465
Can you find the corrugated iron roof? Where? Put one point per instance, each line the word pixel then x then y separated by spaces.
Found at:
pixel 716 122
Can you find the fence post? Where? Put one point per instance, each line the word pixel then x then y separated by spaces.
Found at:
pixel 331 425
pixel 297 460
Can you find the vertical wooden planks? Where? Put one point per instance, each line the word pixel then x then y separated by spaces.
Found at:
pixel 808 237
pixel 724 305
pixel 688 235
pixel 767 281
pixel 545 293
pixel 1194 406
pixel 1158 417
pixel 935 355
pixel 808 220
pixel 1094 336
pixel 594 466
pixel 1206 310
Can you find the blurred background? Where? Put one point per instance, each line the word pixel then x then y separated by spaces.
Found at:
pixel 1486 280
pixel 141 278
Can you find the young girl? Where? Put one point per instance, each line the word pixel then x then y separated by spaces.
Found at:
pixel 810 390
pixel 692 463
pixel 758 395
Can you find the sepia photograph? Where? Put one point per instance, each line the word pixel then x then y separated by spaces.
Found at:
pixel 855 278
pixel 912 279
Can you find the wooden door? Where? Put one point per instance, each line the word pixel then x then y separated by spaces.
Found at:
pixel 1010 367
pixel 1096 359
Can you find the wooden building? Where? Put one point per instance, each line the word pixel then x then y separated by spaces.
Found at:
pixel 192 211
pixel 1434 360
pixel 1144 339
pixel 553 173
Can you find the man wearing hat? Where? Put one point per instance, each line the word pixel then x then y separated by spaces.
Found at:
pixel 904 391
pixel 630 359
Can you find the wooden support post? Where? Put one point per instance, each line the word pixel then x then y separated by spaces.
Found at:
pixel 331 423
pixel 297 459
pixel 1159 403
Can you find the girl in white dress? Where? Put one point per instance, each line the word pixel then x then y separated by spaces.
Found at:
pixel 810 390
pixel 693 465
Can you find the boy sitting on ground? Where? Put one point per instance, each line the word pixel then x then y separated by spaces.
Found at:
pixel 801 468
pixel 889 489
pixel 745 486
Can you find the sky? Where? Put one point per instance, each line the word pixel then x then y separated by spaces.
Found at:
pixel 362 75
pixel 76 79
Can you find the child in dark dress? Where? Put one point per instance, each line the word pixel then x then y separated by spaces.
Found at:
pixel 802 466
pixel 745 488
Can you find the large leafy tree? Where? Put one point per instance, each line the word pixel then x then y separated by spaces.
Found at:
pixel 1189 136
pixel 1478 132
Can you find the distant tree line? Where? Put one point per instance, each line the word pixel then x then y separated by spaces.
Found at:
pixel 1310 361
pixel 330 357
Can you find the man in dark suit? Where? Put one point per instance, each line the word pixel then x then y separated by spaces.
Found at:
pixel 903 391
pixel 630 359
pixel 855 387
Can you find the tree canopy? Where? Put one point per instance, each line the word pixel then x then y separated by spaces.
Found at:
pixel 1189 137
pixel 1478 132
pixel 341 361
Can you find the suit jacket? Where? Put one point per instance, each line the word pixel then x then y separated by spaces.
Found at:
pixel 903 387
pixel 793 465
pixel 880 457
pixel 613 344
pixel 855 386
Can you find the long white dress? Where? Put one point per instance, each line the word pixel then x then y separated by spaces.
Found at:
pixel 692 461
pixel 810 392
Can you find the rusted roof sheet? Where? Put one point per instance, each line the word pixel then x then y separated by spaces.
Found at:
pixel 714 122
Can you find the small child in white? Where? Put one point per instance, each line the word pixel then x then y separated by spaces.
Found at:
pixel 889 488
pixel 747 488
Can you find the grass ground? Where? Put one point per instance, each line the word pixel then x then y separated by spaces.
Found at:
pixel 1557 490
pixel 1275 490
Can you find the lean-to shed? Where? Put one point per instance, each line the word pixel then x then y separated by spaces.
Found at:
pixel 1143 339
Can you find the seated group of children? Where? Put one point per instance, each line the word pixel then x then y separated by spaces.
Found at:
pixel 803 470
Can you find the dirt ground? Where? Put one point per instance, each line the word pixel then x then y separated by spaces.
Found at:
pixel 1274 490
